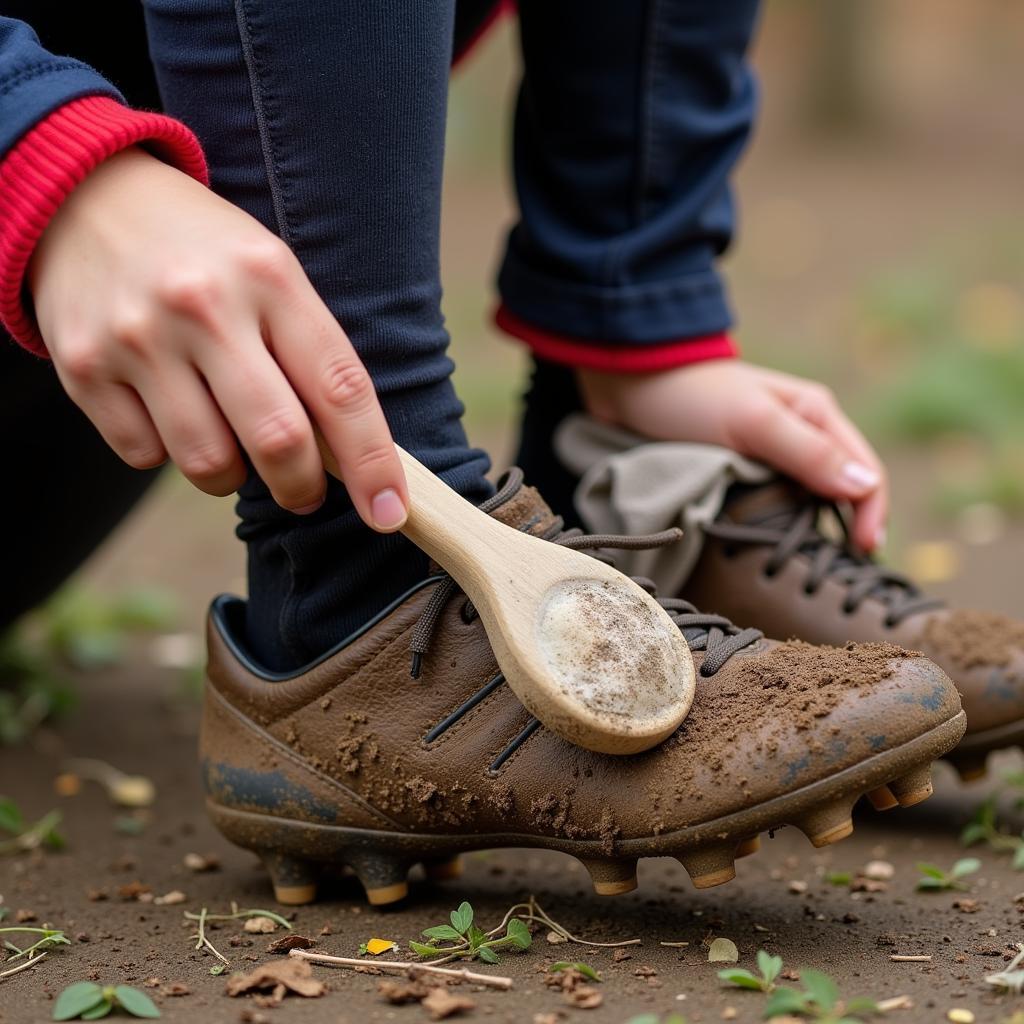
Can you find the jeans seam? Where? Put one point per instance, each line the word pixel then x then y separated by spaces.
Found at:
pixel 262 122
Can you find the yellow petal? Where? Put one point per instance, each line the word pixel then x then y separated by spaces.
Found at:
pixel 377 946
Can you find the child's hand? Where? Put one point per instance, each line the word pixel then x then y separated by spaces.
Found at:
pixel 178 323
pixel 792 424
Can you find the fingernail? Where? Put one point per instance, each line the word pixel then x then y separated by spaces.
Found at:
pixel 306 509
pixel 387 510
pixel 860 476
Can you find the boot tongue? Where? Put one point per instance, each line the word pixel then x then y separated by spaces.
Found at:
pixel 525 510
pixel 773 503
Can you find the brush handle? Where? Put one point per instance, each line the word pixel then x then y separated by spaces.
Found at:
pixel 454 532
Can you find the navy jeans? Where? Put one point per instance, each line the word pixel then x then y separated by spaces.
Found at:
pixel 326 122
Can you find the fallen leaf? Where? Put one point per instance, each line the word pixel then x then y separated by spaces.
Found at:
pixel 290 941
pixel 440 1003
pixel 585 997
pixel 133 890
pixel 959 1015
pixel 621 954
pixel 645 972
pixel 400 992
pixel 24 916
pixel 260 925
pixel 797 887
pixel 377 946
pixel 277 977
pixel 175 988
pixel 723 951
pixel 556 938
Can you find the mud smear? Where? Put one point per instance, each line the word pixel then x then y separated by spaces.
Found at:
pixel 973 639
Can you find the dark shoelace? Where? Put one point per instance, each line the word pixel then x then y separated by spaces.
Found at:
pixel 793 531
pixel 713 634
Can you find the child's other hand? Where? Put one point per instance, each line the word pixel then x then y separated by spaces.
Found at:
pixel 794 425
pixel 179 324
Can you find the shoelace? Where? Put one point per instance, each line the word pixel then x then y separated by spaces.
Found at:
pixel 713 634
pixel 795 531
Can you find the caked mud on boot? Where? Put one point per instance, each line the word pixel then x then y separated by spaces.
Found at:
pixel 355 762
pixel 779 559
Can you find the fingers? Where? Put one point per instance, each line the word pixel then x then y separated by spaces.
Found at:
pixel 270 422
pixel 192 428
pixel 773 432
pixel 319 360
pixel 118 414
pixel 818 406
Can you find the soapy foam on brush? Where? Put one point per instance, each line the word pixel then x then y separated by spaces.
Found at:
pixel 609 650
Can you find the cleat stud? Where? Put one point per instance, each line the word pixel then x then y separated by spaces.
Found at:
pixel 970 767
pixel 384 876
pixel 443 870
pixel 712 865
pixel 828 824
pixel 882 799
pixel 612 877
pixel 748 846
pixel 294 880
pixel 913 787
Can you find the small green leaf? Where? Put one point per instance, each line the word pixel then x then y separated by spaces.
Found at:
pixel 931 870
pixel 487 955
pixel 839 878
pixel 462 918
pixel 11 819
pixel 1018 858
pixel 98 1011
pixel 821 988
pixel 217 969
pixel 973 833
pixel 784 1001
pixel 645 1018
pixel 723 951
pixel 137 1003
pixel 76 999
pixel 965 866
pixel 740 977
pixel 769 966
pixel 442 931
pixel 423 950
pixel 519 933
pixel 932 883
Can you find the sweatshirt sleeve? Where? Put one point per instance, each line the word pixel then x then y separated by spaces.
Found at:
pixel 59 118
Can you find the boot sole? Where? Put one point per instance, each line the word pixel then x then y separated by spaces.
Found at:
pixel 296 853
pixel 971 755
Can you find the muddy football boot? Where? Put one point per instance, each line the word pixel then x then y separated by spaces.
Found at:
pixel 778 558
pixel 356 761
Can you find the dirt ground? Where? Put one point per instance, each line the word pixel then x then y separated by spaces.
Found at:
pixel 137 719
pixel 929 189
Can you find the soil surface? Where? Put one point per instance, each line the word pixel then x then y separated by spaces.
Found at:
pixel 137 719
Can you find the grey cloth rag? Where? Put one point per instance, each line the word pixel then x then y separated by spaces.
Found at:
pixel 632 485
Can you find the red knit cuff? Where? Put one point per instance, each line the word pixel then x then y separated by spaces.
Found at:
pixel 47 163
pixel 589 355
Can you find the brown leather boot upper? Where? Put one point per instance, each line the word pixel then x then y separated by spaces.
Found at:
pixel 450 759
pixel 768 561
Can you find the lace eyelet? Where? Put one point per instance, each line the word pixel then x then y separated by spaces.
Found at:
pixel 467 619
pixel 730 551
pixel 889 622
pixel 846 609
pixel 810 590
pixel 769 572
